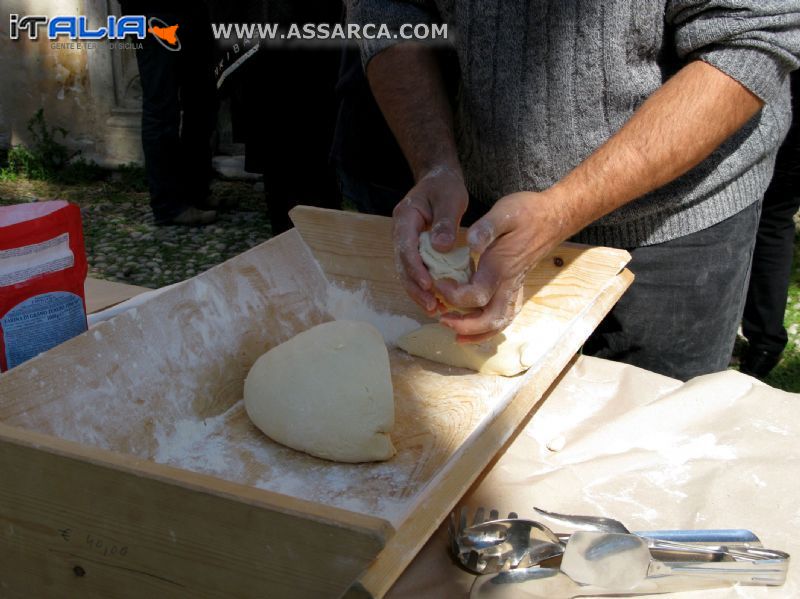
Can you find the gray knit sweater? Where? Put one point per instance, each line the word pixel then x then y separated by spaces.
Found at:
pixel 545 82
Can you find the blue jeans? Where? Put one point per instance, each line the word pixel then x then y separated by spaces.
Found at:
pixel 680 316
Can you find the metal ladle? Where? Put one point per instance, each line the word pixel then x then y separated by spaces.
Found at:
pixel 493 544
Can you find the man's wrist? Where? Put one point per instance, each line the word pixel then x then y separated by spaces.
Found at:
pixel 558 206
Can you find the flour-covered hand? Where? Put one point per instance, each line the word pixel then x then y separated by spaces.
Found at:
pixel 510 239
pixel 437 202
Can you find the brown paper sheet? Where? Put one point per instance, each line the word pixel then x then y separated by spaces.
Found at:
pixel 720 451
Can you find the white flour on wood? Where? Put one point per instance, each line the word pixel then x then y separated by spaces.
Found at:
pixel 348 305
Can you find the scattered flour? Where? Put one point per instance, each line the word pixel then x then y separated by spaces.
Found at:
pixel 229 447
pixel 348 305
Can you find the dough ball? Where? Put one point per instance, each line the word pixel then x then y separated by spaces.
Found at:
pixel 503 354
pixel 327 392
pixel 456 265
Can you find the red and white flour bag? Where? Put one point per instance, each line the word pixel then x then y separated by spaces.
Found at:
pixel 42 273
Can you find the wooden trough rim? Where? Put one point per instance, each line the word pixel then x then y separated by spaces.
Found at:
pixel 370 526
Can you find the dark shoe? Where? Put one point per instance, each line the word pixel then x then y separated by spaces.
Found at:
pixel 759 363
pixel 190 217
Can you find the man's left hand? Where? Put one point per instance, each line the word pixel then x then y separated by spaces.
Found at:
pixel 510 239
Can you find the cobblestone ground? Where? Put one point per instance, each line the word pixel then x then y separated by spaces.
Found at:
pixel 123 243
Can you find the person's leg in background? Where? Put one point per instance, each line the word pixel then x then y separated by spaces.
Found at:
pixel 703 275
pixel 199 104
pixel 291 112
pixel 762 323
pixel 300 116
pixel 160 72
pixel 373 174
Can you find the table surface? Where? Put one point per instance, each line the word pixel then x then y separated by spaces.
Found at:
pixel 720 451
pixel 101 294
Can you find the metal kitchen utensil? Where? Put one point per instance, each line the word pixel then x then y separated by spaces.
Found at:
pixel 621 561
pixel 735 537
pixel 552 583
pixel 491 545
pixel 718 544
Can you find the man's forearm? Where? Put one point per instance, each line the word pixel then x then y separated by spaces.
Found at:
pixel 674 130
pixel 407 84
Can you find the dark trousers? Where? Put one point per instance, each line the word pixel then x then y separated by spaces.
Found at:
pixel 179 107
pixel 291 114
pixel 762 323
pixel 301 116
pixel 680 316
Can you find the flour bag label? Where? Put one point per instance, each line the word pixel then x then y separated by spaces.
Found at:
pixel 42 273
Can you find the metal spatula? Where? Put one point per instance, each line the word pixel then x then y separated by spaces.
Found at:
pixel 622 561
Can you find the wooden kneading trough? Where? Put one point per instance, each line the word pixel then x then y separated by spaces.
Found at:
pixel 130 466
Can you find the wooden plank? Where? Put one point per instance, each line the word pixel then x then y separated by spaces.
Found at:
pixel 79 522
pixel 355 251
pixel 102 294
pixel 451 484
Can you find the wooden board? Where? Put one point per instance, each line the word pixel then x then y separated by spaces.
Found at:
pixel 102 294
pixel 81 522
pixel 566 295
pixel 145 410
pixel 348 245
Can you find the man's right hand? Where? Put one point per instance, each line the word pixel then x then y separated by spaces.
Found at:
pixel 437 202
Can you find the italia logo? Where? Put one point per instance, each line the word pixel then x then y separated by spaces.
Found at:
pixel 166 35
pixel 77 28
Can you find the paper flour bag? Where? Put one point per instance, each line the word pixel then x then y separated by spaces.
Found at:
pixel 42 273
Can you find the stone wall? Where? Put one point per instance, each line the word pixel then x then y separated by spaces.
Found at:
pixel 93 93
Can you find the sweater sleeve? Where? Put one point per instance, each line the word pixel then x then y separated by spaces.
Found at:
pixel 392 13
pixel 756 42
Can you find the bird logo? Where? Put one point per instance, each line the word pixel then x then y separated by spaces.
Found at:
pixel 166 35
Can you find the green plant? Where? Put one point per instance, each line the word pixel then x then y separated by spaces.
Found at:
pixel 48 159
pixel 53 155
pixel 131 177
pixel 19 161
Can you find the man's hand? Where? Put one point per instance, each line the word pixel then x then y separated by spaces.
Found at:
pixel 437 201
pixel 515 234
pixel 674 130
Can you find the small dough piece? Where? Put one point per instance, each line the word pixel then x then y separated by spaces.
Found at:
pixel 456 265
pixel 327 392
pixel 503 354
